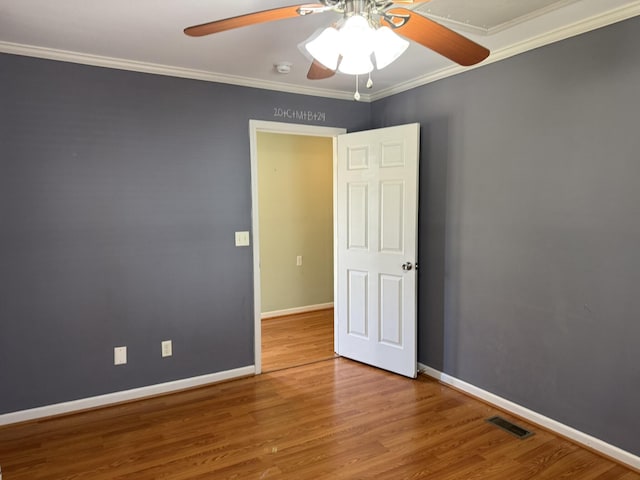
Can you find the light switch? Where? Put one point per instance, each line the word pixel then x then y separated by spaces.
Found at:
pixel 119 355
pixel 299 260
pixel 242 239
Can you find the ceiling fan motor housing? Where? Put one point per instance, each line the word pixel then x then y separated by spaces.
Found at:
pixel 369 9
pixel 352 7
pixel 357 7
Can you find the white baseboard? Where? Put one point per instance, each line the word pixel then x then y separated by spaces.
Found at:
pixel 124 396
pixel 566 431
pixel 293 311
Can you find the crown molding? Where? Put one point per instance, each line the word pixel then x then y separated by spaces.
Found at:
pixel 577 28
pixel 158 69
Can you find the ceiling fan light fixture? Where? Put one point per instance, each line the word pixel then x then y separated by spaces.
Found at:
pixel 349 49
pixel 325 48
pixel 388 46
pixel 355 64
pixel 356 37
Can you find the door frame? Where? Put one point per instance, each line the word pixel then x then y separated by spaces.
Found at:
pixel 256 126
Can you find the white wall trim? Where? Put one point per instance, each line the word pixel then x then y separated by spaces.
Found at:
pixel 123 396
pixel 294 310
pixel 159 69
pixel 566 431
pixel 583 26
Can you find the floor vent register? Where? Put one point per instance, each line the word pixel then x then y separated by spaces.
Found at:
pixel 510 427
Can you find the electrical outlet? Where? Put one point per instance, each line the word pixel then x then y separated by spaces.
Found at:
pixel 167 348
pixel 119 355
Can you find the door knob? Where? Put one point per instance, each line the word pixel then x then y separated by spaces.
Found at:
pixel 407 266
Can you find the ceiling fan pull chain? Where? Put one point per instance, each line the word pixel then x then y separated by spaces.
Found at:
pixel 369 82
pixel 356 96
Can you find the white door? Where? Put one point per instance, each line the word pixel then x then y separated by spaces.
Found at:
pixel 376 203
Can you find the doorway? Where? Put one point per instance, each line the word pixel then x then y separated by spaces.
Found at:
pixel 296 329
pixel 375 219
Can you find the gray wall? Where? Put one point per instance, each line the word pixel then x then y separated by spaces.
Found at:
pixel 530 228
pixel 119 196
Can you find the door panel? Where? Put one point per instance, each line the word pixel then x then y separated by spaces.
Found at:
pixel 376 198
pixel 391 292
pixel 358 215
pixel 391 212
pixel 357 319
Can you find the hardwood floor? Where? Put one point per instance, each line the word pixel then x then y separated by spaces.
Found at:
pixel 298 339
pixel 334 419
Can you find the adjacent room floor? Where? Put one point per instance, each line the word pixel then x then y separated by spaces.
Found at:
pixel 299 339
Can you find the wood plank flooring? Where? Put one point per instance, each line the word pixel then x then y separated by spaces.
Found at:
pixel 299 339
pixel 334 419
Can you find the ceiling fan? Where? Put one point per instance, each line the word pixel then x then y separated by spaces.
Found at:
pixel 377 23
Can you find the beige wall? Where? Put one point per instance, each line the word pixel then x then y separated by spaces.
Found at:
pixel 295 194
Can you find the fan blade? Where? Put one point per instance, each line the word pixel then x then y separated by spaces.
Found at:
pixel 252 19
pixel 317 71
pixel 436 37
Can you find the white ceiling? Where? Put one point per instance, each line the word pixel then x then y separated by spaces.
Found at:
pixel 147 35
